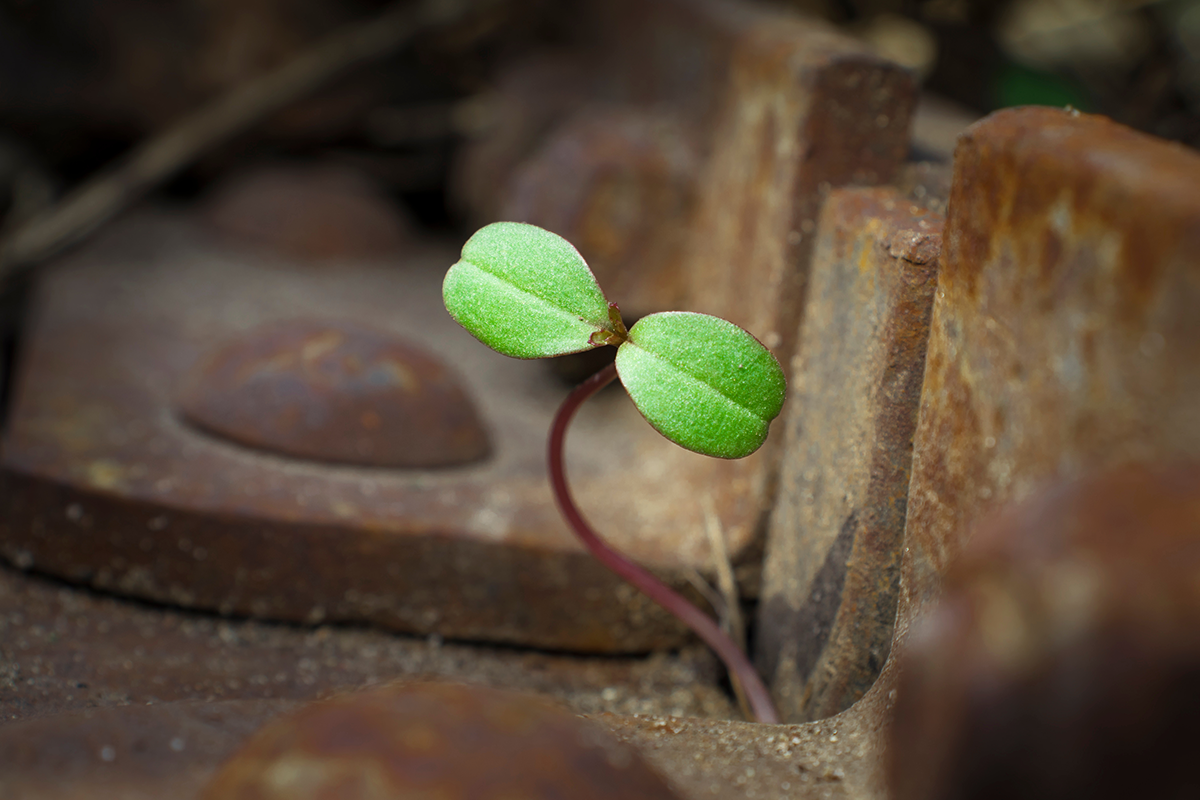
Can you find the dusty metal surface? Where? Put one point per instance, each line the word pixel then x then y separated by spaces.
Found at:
pixel 64 650
pixel 106 486
pixel 1065 335
pixel 174 694
pixel 336 392
pixel 109 698
pixel 832 759
pixel 1146 183
pixel 309 213
pixel 833 553
pixel 1061 660
pixel 803 112
pixel 438 740
pixel 629 203
pixel 131 752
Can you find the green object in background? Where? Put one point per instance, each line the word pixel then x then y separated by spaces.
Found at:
pixel 1019 85
pixel 702 382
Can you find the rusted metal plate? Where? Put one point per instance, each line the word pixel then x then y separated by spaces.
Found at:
pixel 174 694
pixel 309 213
pixel 833 553
pixel 132 752
pixel 1065 334
pixel 440 740
pixel 1061 660
pixel 628 202
pixel 63 650
pixel 109 489
pixel 337 392
pixel 105 485
pixel 529 98
pixel 804 110
pixel 1062 336
pixel 1146 182
pixel 173 749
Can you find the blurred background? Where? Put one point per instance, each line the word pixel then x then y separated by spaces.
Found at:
pixel 83 81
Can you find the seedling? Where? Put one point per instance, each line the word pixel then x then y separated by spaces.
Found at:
pixel 700 381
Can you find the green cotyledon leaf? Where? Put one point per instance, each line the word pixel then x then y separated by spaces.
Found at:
pixel 702 382
pixel 526 292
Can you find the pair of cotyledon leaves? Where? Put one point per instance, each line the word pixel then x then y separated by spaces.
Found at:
pixel 702 382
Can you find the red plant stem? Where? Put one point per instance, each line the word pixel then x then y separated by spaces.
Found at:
pixel 740 668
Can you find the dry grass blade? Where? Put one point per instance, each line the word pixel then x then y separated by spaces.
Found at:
pixel 99 199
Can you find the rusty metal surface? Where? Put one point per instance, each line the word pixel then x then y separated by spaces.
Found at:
pixel 105 485
pixel 173 694
pixel 173 749
pixel 804 110
pixel 529 98
pixel 438 740
pixel 108 489
pixel 63 650
pixel 842 756
pixel 337 392
pixel 629 200
pixel 1061 660
pixel 132 752
pixel 1065 334
pixel 309 213
pixel 833 553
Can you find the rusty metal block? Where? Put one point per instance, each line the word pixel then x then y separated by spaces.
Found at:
pixel 107 488
pixel 104 484
pixel 833 553
pixel 317 213
pixel 1061 660
pixel 1065 334
pixel 804 110
pixel 175 693
pixel 132 752
pixel 1043 205
pixel 336 392
pixel 435 740
pixel 63 651
pixel 620 184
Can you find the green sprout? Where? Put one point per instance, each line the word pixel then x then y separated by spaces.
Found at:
pixel 702 382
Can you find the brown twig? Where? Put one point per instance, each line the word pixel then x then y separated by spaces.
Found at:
pixel 102 197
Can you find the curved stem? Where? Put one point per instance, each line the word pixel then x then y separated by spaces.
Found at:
pixel 740 668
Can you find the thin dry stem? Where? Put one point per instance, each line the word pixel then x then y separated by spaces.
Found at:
pixel 100 198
